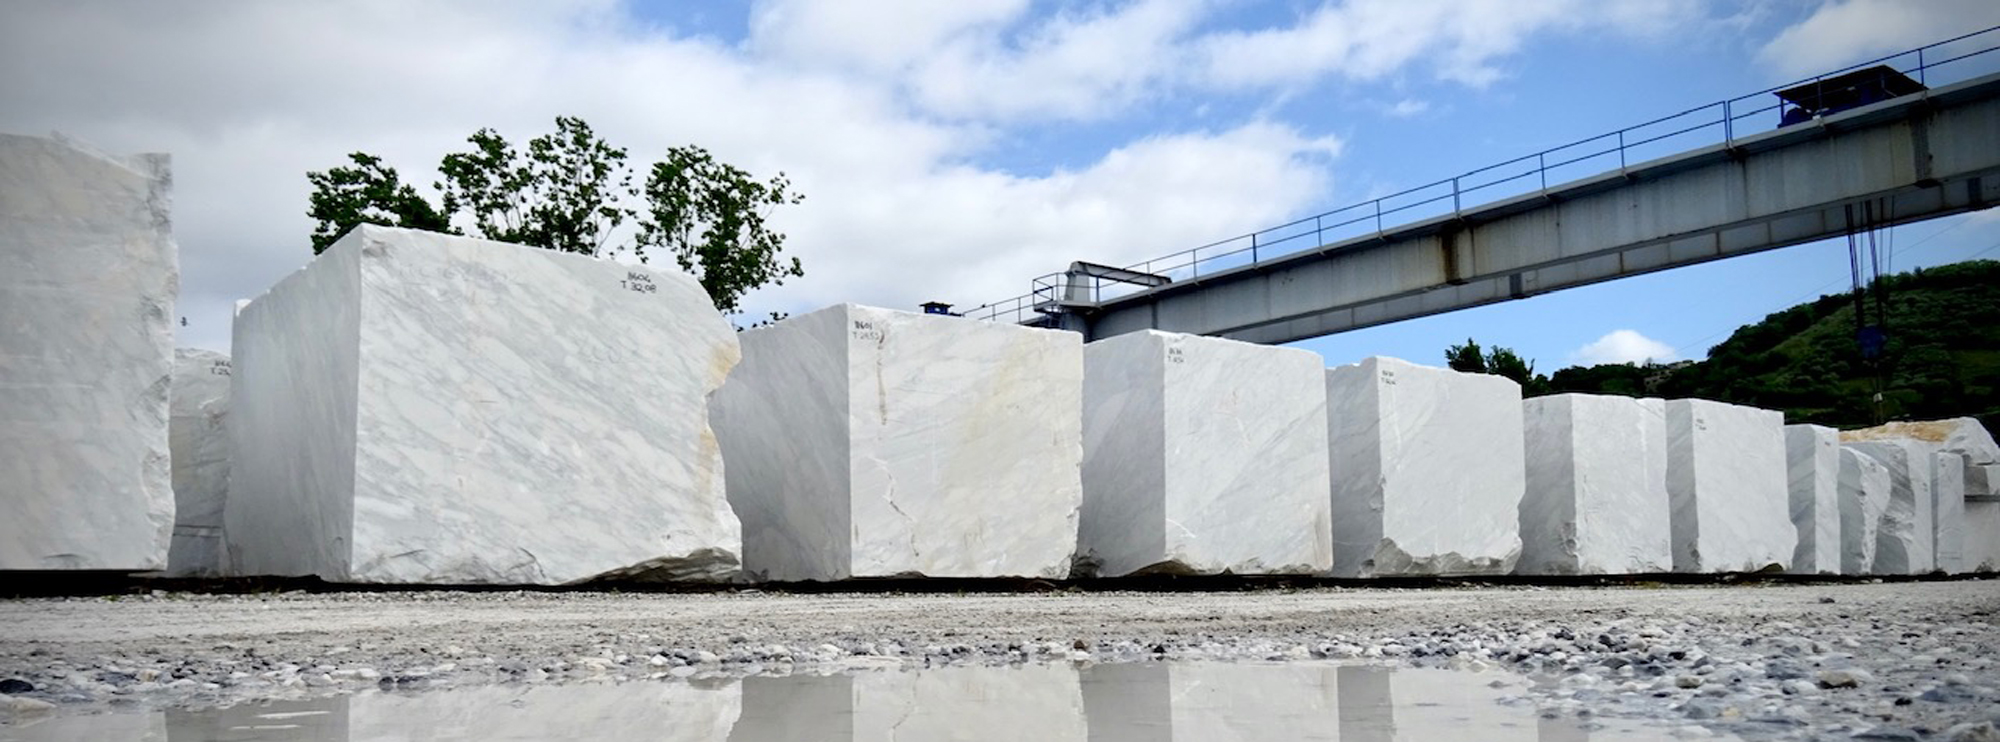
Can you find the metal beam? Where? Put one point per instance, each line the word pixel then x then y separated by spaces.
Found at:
pixel 1919 157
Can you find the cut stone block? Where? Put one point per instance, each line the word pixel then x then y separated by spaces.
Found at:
pixel 1982 534
pixel 1948 495
pixel 1982 479
pixel 1812 456
pixel 1904 542
pixel 868 442
pixel 1864 497
pixel 1954 435
pixel 1726 480
pixel 418 408
pixel 1203 455
pixel 88 278
pixel 1596 499
pixel 1428 470
pixel 200 442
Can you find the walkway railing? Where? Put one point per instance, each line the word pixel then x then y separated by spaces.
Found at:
pixel 1720 122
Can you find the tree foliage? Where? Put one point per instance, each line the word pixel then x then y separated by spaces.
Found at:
pixel 572 191
pixel 1942 358
pixel 370 192
pixel 1472 359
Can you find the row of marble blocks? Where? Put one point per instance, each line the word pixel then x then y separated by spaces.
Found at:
pixel 88 279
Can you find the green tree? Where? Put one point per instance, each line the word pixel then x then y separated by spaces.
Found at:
pixel 710 216
pixel 368 192
pixel 1467 358
pixel 571 191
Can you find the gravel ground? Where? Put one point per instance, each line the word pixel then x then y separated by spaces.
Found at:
pixel 1903 660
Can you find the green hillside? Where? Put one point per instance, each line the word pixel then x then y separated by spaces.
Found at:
pixel 1942 358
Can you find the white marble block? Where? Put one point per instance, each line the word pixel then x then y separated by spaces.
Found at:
pixel 199 434
pixel 88 278
pixel 1596 499
pixel 1812 456
pixel 1726 480
pixel 868 442
pixel 1982 480
pixel 1948 495
pixel 417 408
pixel 1428 470
pixel 1905 540
pixel 1954 435
pixel 1203 455
pixel 1864 497
pixel 1982 534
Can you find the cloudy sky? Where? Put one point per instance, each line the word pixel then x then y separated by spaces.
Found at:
pixel 955 150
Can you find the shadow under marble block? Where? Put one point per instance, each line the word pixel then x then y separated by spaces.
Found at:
pixel 88 278
pixel 418 408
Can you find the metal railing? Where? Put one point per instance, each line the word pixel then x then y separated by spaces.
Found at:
pixel 1721 122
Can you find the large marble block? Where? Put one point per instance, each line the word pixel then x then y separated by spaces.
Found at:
pixel 420 408
pixel 1596 499
pixel 1954 435
pixel 1726 480
pixel 868 442
pixel 88 278
pixel 1203 455
pixel 1864 497
pixel 1812 456
pixel 1428 470
pixel 1948 493
pixel 1905 541
pixel 199 434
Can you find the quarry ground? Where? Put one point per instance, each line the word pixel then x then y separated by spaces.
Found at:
pixel 1917 660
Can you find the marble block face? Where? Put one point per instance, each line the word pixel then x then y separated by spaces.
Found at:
pixel 1982 535
pixel 869 442
pixel 1905 540
pixel 1812 456
pixel 416 408
pixel 1726 480
pixel 1596 499
pixel 1864 497
pixel 1948 497
pixel 1982 480
pixel 1203 455
pixel 200 442
pixel 88 278
pixel 1428 470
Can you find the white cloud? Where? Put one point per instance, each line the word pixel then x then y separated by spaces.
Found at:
pixel 249 96
pixel 1459 41
pixel 1846 32
pixel 1622 346
pixel 1407 108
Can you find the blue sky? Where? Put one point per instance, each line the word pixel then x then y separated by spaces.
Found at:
pixel 955 150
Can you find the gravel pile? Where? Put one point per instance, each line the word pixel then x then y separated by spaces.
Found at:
pixel 1909 660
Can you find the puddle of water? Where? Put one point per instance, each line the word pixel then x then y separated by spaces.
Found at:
pixel 1140 702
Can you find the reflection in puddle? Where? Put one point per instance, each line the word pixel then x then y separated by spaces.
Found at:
pixel 1151 702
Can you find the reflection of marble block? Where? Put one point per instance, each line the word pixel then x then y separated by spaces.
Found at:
pixel 1596 498
pixel 796 707
pixel 88 278
pixel 1864 497
pixel 971 704
pixel 1127 702
pixel 1904 540
pixel 1726 479
pixel 420 408
pixel 200 444
pixel 667 711
pixel 1227 702
pixel 1812 456
pixel 1948 513
pixel 1428 470
pixel 1203 455
pixel 868 442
